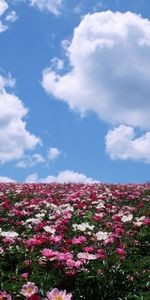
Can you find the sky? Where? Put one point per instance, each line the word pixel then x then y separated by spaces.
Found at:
pixel 75 91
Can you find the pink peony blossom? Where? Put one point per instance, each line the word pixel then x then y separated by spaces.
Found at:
pixel 49 253
pixel 29 289
pixel 120 251
pixel 79 240
pixel 147 221
pixel 1 250
pixel 5 296
pixel 55 294
pixel 24 275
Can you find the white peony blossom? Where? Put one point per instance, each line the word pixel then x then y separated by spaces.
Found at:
pixel 102 236
pixel 49 229
pixel 84 255
pixel 10 234
pixel 82 226
pixel 127 218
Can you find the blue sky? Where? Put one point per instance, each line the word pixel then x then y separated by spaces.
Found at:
pixel 74 90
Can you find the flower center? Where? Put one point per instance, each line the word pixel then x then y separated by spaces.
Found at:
pixel 59 297
pixel 29 290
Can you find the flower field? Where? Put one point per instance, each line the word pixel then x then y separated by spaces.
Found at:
pixel 74 241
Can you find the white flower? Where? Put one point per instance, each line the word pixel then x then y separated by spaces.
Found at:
pixel 101 204
pixel 84 255
pixel 82 226
pixel 127 218
pixel 49 229
pixel 11 234
pixel 33 221
pixel 102 236
pixel 40 215
pixel 139 221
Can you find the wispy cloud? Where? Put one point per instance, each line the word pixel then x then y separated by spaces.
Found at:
pixel 53 6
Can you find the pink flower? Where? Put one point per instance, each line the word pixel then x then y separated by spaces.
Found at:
pixel 49 253
pixel 5 296
pixel 73 263
pixel 99 271
pixel 79 240
pixel 88 249
pixel 29 289
pixel 1 250
pixel 119 230
pixel 55 294
pixel 147 221
pixel 8 240
pixel 24 275
pixel 120 251
pixel 64 256
pixel 28 262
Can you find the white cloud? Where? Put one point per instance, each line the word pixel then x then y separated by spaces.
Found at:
pixel 53 6
pixel 6 179
pixel 3 27
pixel 11 16
pixel 63 177
pixel 3 7
pixel 30 160
pixel 53 153
pixel 57 64
pixel 122 143
pixel 109 69
pixel 14 137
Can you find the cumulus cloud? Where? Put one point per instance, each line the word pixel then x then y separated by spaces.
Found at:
pixel 30 160
pixel 63 177
pixel 53 153
pixel 122 143
pixel 6 179
pixel 109 71
pixel 53 6
pixel 15 138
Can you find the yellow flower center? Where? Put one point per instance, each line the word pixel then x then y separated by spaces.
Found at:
pixel 59 297
pixel 29 290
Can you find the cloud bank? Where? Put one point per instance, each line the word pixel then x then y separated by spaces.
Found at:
pixel 6 179
pixel 63 177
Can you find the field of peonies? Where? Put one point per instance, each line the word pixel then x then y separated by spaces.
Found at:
pixel 74 241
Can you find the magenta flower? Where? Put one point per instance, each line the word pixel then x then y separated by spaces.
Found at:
pixel 29 289
pixel 147 221
pixel 55 294
pixel 120 251
pixel 5 296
